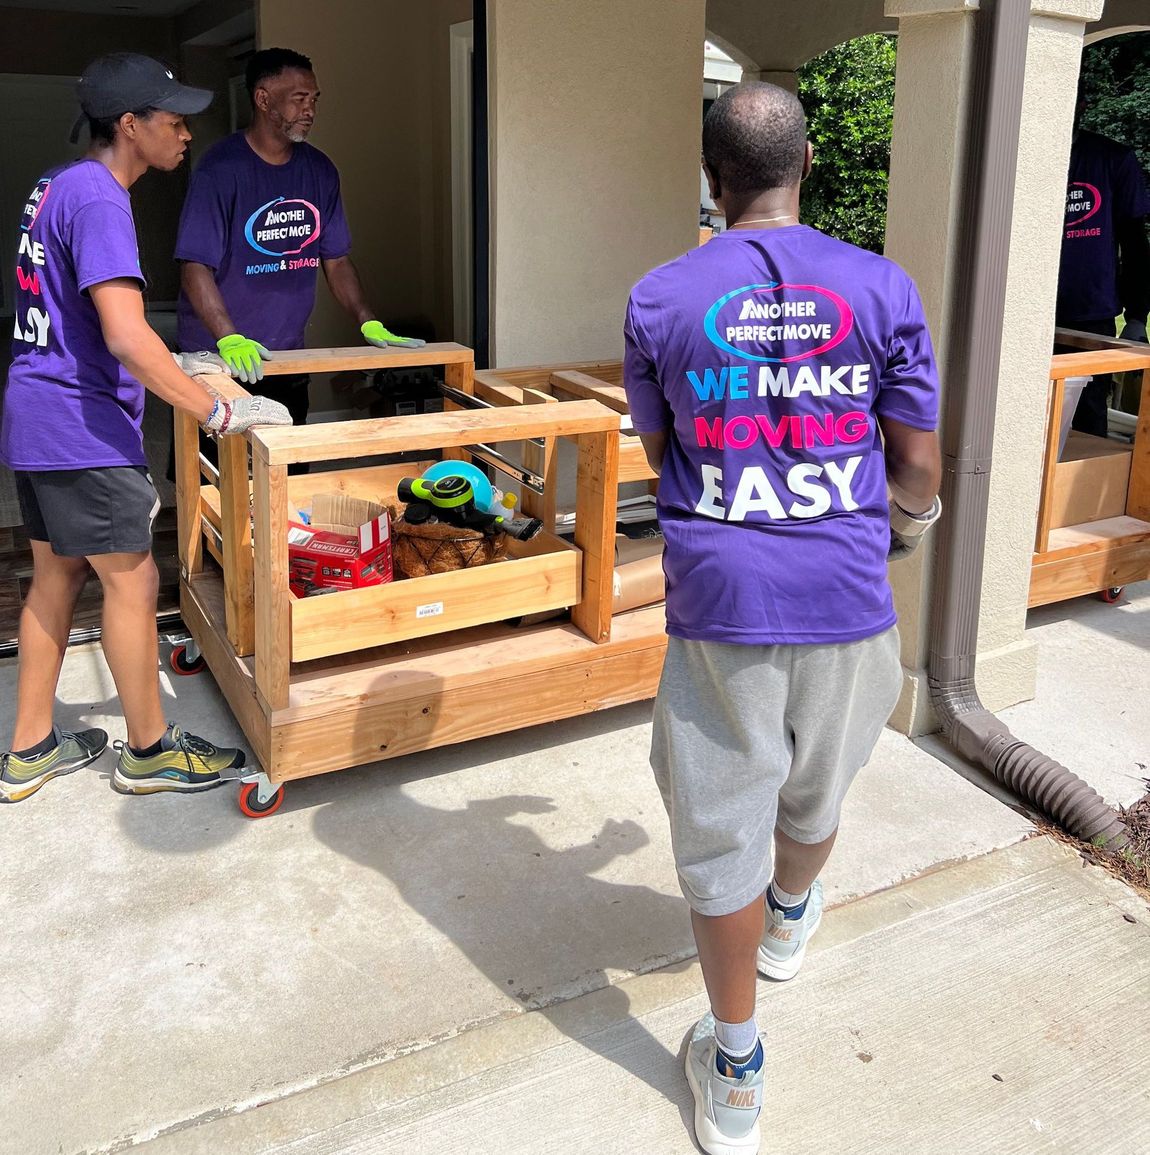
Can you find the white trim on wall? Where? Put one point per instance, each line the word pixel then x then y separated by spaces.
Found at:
pixel 462 239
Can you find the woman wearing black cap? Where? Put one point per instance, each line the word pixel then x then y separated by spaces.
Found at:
pixel 71 432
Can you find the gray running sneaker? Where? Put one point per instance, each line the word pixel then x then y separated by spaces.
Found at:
pixel 21 777
pixel 186 763
pixel 784 944
pixel 726 1110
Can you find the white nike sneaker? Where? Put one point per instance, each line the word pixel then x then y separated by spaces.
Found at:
pixel 785 939
pixel 726 1110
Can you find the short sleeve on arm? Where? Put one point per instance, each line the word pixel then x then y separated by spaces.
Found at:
pixel 335 239
pixel 103 244
pixel 908 386
pixel 650 412
pixel 205 221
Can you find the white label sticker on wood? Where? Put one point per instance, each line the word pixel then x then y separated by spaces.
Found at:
pixel 431 610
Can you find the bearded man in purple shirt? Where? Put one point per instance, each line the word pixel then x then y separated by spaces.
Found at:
pixel 785 390
pixel 262 217
pixel 83 354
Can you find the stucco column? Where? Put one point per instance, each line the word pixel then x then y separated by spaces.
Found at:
pixel 931 101
pixel 595 122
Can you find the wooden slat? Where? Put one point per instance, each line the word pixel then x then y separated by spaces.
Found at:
pixel 1138 496
pixel 633 464
pixel 357 619
pixel 1085 572
pixel 223 386
pixel 345 439
pixel 1091 536
pixel 1079 339
pixel 585 387
pixel 497 394
pixel 189 538
pixel 272 610
pixel 364 358
pixel 444 714
pixel 534 376
pixel 597 491
pixel 236 535
pixel 1103 361
pixel 1050 463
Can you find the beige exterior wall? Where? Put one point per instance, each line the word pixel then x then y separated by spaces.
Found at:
pixel 595 127
pixel 385 120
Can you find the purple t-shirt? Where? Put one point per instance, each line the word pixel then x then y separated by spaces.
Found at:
pixel 264 229
pixel 766 355
pixel 1105 188
pixel 68 403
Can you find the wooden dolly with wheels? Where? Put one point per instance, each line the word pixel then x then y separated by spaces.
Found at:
pixel 1104 553
pixel 323 683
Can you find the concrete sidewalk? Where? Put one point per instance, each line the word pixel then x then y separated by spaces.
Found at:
pixel 170 962
pixel 1000 1005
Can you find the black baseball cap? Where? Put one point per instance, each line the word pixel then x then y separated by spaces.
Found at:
pixel 127 82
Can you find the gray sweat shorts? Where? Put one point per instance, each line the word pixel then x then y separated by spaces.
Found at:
pixel 750 738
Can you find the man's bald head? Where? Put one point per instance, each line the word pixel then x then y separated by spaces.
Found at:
pixel 755 138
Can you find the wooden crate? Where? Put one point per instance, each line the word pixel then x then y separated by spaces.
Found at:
pixel 1099 554
pixel 319 684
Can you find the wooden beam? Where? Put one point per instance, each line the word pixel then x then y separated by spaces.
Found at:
pixel 583 386
pixel 543 460
pixel 189 538
pixel 597 492
pixel 1079 339
pixel 1103 361
pixel 236 545
pixel 344 439
pixel 272 609
pixel 1049 463
pixel 1138 496
pixel 364 358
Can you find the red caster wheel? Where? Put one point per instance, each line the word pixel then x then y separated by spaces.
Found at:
pixel 183 665
pixel 252 807
pixel 1111 595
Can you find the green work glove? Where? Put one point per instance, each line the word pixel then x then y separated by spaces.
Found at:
pixel 244 357
pixel 375 334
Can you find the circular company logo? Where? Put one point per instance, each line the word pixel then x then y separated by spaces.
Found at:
pixel 282 227
pixel 1082 202
pixel 778 322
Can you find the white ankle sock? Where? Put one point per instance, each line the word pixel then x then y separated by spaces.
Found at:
pixel 737 1040
pixel 787 900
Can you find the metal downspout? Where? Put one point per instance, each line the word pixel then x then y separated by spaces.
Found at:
pixel 972 366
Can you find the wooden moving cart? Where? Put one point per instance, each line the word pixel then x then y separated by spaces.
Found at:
pixel 323 683
pixel 1101 554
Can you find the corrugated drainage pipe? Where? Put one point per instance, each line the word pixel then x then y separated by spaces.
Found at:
pixel 1001 31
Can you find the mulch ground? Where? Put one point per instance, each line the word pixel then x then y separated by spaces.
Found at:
pixel 1132 862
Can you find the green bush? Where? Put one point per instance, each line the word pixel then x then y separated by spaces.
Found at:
pixel 1116 82
pixel 848 93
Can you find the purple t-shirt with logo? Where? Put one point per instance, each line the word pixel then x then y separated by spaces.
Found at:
pixel 68 403
pixel 264 229
pixel 1105 188
pixel 767 356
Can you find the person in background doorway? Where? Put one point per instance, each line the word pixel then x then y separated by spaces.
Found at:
pixel 73 405
pixel 761 370
pixel 262 216
pixel 1105 265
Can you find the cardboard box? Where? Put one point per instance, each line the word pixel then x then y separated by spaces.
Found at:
pixel 345 546
pixel 1091 481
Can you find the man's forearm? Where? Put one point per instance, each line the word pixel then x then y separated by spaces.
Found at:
pixel 347 289
pixel 199 285
pixel 1134 270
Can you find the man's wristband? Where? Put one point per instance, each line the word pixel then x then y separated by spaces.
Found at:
pixel 913 524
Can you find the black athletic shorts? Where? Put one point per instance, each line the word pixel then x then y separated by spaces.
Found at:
pixel 82 512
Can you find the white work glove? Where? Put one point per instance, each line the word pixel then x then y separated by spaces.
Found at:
pixel 242 414
pixel 1134 331
pixel 907 529
pixel 196 363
